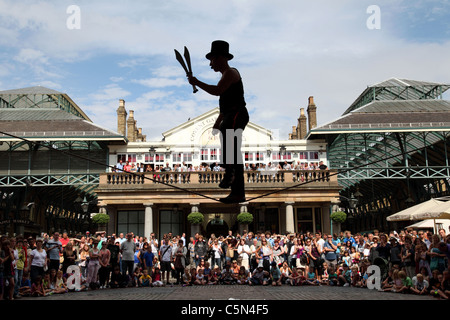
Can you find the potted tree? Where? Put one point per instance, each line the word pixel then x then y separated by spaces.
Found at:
pixel 195 219
pixel 101 220
pixel 338 217
pixel 244 219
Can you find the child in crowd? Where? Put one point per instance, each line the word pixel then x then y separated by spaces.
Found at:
pixel 446 283
pixel 420 285
pixel 193 276
pixel 60 283
pixel 275 274
pixel 214 276
pixel 186 279
pixel 145 280
pixel 345 276
pixel 118 280
pixel 311 278
pixel 325 277
pixel 346 259
pixel 295 277
pixel 355 276
pixel 436 285
pixel 387 283
pixel 200 278
pixel 406 282
pixel 25 285
pixel 157 282
pixel 37 288
pixel 137 274
pixel 355 256
pixel 47 283
pixel 207 270
pixel 332 277
pixel 396 282
pixel 242 276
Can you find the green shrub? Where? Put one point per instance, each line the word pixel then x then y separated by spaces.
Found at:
pixel 338 216
pixel 101 218
pixel 245 218
pixel 195 218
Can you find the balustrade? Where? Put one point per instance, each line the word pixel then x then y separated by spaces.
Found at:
pixel 265 177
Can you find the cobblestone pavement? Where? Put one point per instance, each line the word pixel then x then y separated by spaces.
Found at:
pixel 233 292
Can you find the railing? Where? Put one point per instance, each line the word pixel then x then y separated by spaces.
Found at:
pixel 214 177
pixel 412 172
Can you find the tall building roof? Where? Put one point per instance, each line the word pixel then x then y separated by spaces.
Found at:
pixel 399 89
pixel 40 97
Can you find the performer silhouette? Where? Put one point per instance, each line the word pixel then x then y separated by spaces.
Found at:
pixel 232 119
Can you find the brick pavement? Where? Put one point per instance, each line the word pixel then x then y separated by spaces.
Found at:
pixel 234 292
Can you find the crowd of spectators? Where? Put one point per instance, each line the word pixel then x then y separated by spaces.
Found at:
pixel 413 262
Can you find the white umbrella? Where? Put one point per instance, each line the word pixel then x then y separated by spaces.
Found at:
pixel 442 211
pixel 410 213
pixel 430 224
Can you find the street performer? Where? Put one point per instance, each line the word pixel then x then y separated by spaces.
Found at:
pixel 232 119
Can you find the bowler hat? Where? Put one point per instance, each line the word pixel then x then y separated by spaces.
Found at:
pixel 220 48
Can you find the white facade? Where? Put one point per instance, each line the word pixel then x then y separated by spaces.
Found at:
pixel 194 144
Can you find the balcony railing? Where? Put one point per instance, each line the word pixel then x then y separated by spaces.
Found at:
pixel 214 177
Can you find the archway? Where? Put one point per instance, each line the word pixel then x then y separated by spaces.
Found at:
pixel 218 227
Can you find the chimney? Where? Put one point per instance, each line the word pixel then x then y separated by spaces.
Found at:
pixel 301 128
pixel 293 135
pixel 312 117
pixel 122 118
pixel 130 125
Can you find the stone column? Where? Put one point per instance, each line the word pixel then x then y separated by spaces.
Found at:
pixel 290 226
pixel 148 220
pixel 194 207
pixel 243 207
pixel 195 228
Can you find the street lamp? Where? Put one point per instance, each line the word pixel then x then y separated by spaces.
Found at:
pixel 85 205
pixel 352 201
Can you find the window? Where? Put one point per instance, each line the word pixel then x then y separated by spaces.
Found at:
pixel 214 155
pixel 259 156
pixel 176 157
pixel 314 155
pixel 130 221
pixel 304 220
pixel 303 155
pixel 130 157
pixel 154 158
pixel 204 154
pixel 278 157
pixel 170 221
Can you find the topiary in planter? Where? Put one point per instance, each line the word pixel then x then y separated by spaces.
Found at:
pixel 100 218
pixel 245 218
pixel 195 218
pixel 338 216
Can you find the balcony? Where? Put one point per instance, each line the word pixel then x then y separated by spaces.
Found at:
pixel 122 188
pixel 196 178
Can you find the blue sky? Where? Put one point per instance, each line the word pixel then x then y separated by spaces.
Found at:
pixel 285 50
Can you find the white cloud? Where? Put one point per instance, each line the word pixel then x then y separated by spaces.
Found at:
pixel 285 50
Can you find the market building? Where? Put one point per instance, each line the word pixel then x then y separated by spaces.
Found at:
pixel 281 199
pixel 52 156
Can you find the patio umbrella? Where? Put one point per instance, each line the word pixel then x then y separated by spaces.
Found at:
pixel 429 223
pixel 441 211
pixel 411 213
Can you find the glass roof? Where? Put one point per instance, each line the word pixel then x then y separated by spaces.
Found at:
pixel 40 97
